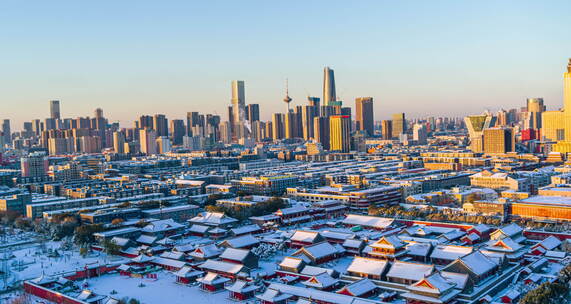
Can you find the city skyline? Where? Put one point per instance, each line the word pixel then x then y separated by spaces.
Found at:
pixel 500 65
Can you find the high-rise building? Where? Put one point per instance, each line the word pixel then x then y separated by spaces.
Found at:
pixel 532 119
pixel 340 133
pixel 291 125
pixel 387 129
pixel 34 165
pixel 329 96
pixel 192 120
pixel 161 125
pixel 148 140
pixel 6 131
pixel 499 140
pixel 476 125
pixel 177 131
pixel 278 126
pixel 119 142
pixel 399 125
pixel 419 134
pixel 365 119
pixel 553 126
pixel 54 109
pixel 307 116
pixel 314 102
pixel 146 122
pixel 321 131
pixel 567 101
pixel 238 107
pixel 253 112
pixel 163 144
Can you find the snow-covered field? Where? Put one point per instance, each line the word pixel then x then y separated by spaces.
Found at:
pixel 163 290
pixel 33 261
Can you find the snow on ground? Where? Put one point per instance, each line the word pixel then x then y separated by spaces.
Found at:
pixel 32 262
pixel 163 290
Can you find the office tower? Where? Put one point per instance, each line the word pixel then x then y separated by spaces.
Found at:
pixel 399 125
pixel 499 140
pixel 553 125
pixel 291 129
pixel 502 118
pixel 161 125
pixel 7 131
pixel 340 133
pixel 34 165
pixel 253 112
pixel 321 131
pixel 212 127
pixel 567 101
pixel 476 125
pixel 146 122
pixel 119 142
pixel 226 132
pixel 327 111
pixel 532 119
pixel 54 109
pixel 308 113
pixel 192 120
pixel 258 130
pixel 365 120
pixel 387 129
pixel 329 96
pixel 37 126
pixel 278 126
pixel 148 140
pixel 50 124
pixel 314 102
pixel 238 108
pixel 419 134
pixel 163 144
pixel 177 131
pixel 269 130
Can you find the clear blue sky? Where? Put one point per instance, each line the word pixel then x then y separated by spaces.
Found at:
pixel 419 57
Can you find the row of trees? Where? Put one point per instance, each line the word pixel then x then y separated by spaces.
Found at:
pixel 432 214
pixel 244 212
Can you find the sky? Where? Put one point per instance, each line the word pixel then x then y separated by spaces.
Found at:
pixel 424 58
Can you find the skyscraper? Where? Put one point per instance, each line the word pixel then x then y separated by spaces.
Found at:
pixel 387 129
pixel 253 112
pixel 419 134
pixel 148 139
pixel 365 119
pixel 119 142
pixel 535 107
pixel 307 115
pixel 177 131
pixel 399 124
pixel 553 125
pixel 54 109
pixel 567 101
pixel 329 96
pixel 278 126
pixel 321 131
pixel 340 133
pixel 238 108
pixel 6 131
pixel 161 125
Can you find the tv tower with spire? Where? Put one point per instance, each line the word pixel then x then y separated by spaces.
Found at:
pixel 287 99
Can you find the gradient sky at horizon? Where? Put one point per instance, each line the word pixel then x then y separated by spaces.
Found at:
pixel 424 58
